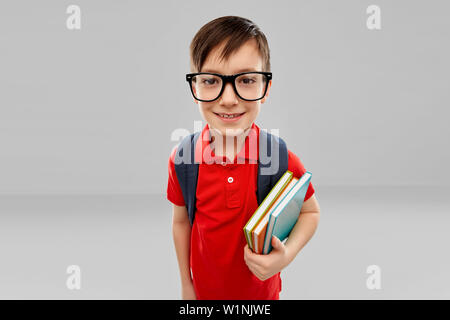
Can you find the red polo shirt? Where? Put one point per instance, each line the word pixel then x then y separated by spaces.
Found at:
pixel 225 201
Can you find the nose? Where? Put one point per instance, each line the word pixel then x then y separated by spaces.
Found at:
pixel 228 95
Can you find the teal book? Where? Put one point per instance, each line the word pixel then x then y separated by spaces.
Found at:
pixel 285 215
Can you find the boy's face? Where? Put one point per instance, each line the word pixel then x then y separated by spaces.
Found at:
pixel 246 58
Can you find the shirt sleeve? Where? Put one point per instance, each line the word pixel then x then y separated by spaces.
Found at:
pixel 174 193
pixel 297 168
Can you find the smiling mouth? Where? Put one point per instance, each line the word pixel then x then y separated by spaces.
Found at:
pixel 229 115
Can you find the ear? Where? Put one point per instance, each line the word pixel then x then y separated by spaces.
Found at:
pixel 267 92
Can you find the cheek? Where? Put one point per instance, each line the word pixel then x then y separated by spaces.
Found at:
pixel 253 111
pixel 205 109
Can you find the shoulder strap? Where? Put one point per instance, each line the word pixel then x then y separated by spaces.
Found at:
pixel 187 171
pixel 272 162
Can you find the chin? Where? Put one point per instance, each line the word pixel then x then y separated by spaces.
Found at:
pixel 231 130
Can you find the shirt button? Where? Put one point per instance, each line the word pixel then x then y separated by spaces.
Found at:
pixel 230 179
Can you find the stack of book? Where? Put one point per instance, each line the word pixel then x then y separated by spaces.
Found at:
pixel 277 213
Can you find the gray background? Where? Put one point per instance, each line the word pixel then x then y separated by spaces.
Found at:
pixel 86 119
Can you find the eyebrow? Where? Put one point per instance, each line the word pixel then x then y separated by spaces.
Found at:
pixel 237 71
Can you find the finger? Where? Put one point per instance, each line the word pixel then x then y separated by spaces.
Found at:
pixel 277 244
pixel 252 258
pixel 256 259
pixel 255 272
pixel 248 255
pixel 247 251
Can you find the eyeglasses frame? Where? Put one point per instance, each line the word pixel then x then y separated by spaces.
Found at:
pixel 225 80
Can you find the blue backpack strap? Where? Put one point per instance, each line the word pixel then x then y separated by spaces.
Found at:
pixel 272 162
pixel 187 171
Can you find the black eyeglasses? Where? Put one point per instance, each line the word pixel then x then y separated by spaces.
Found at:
pixel 249 86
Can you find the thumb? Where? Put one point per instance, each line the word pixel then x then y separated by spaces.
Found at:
pixel 276 243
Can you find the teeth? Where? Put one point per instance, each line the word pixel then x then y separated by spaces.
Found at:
pixel 229 116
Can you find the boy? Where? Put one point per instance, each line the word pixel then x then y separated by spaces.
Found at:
pixel 214 248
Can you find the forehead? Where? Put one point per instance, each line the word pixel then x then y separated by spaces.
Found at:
pixel 246 58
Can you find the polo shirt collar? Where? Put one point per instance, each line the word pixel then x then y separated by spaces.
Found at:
pixel 249 151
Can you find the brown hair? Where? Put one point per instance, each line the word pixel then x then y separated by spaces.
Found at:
pixel 235 31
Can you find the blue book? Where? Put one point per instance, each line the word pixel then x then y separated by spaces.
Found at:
pixel 285 215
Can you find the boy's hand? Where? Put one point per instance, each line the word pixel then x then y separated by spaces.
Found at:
pixel 264 266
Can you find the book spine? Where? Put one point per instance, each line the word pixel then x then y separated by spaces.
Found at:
pixel 255 242
pixel 248 238
pixel 267 239
pixel 260 240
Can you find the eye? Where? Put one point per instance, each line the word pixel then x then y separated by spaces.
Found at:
pixel 209 81
pixel 247 80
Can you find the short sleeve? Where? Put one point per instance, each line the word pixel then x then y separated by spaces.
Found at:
pixel 297 168
pixel 174 193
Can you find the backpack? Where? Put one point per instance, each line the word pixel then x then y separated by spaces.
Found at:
pixel 270 167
